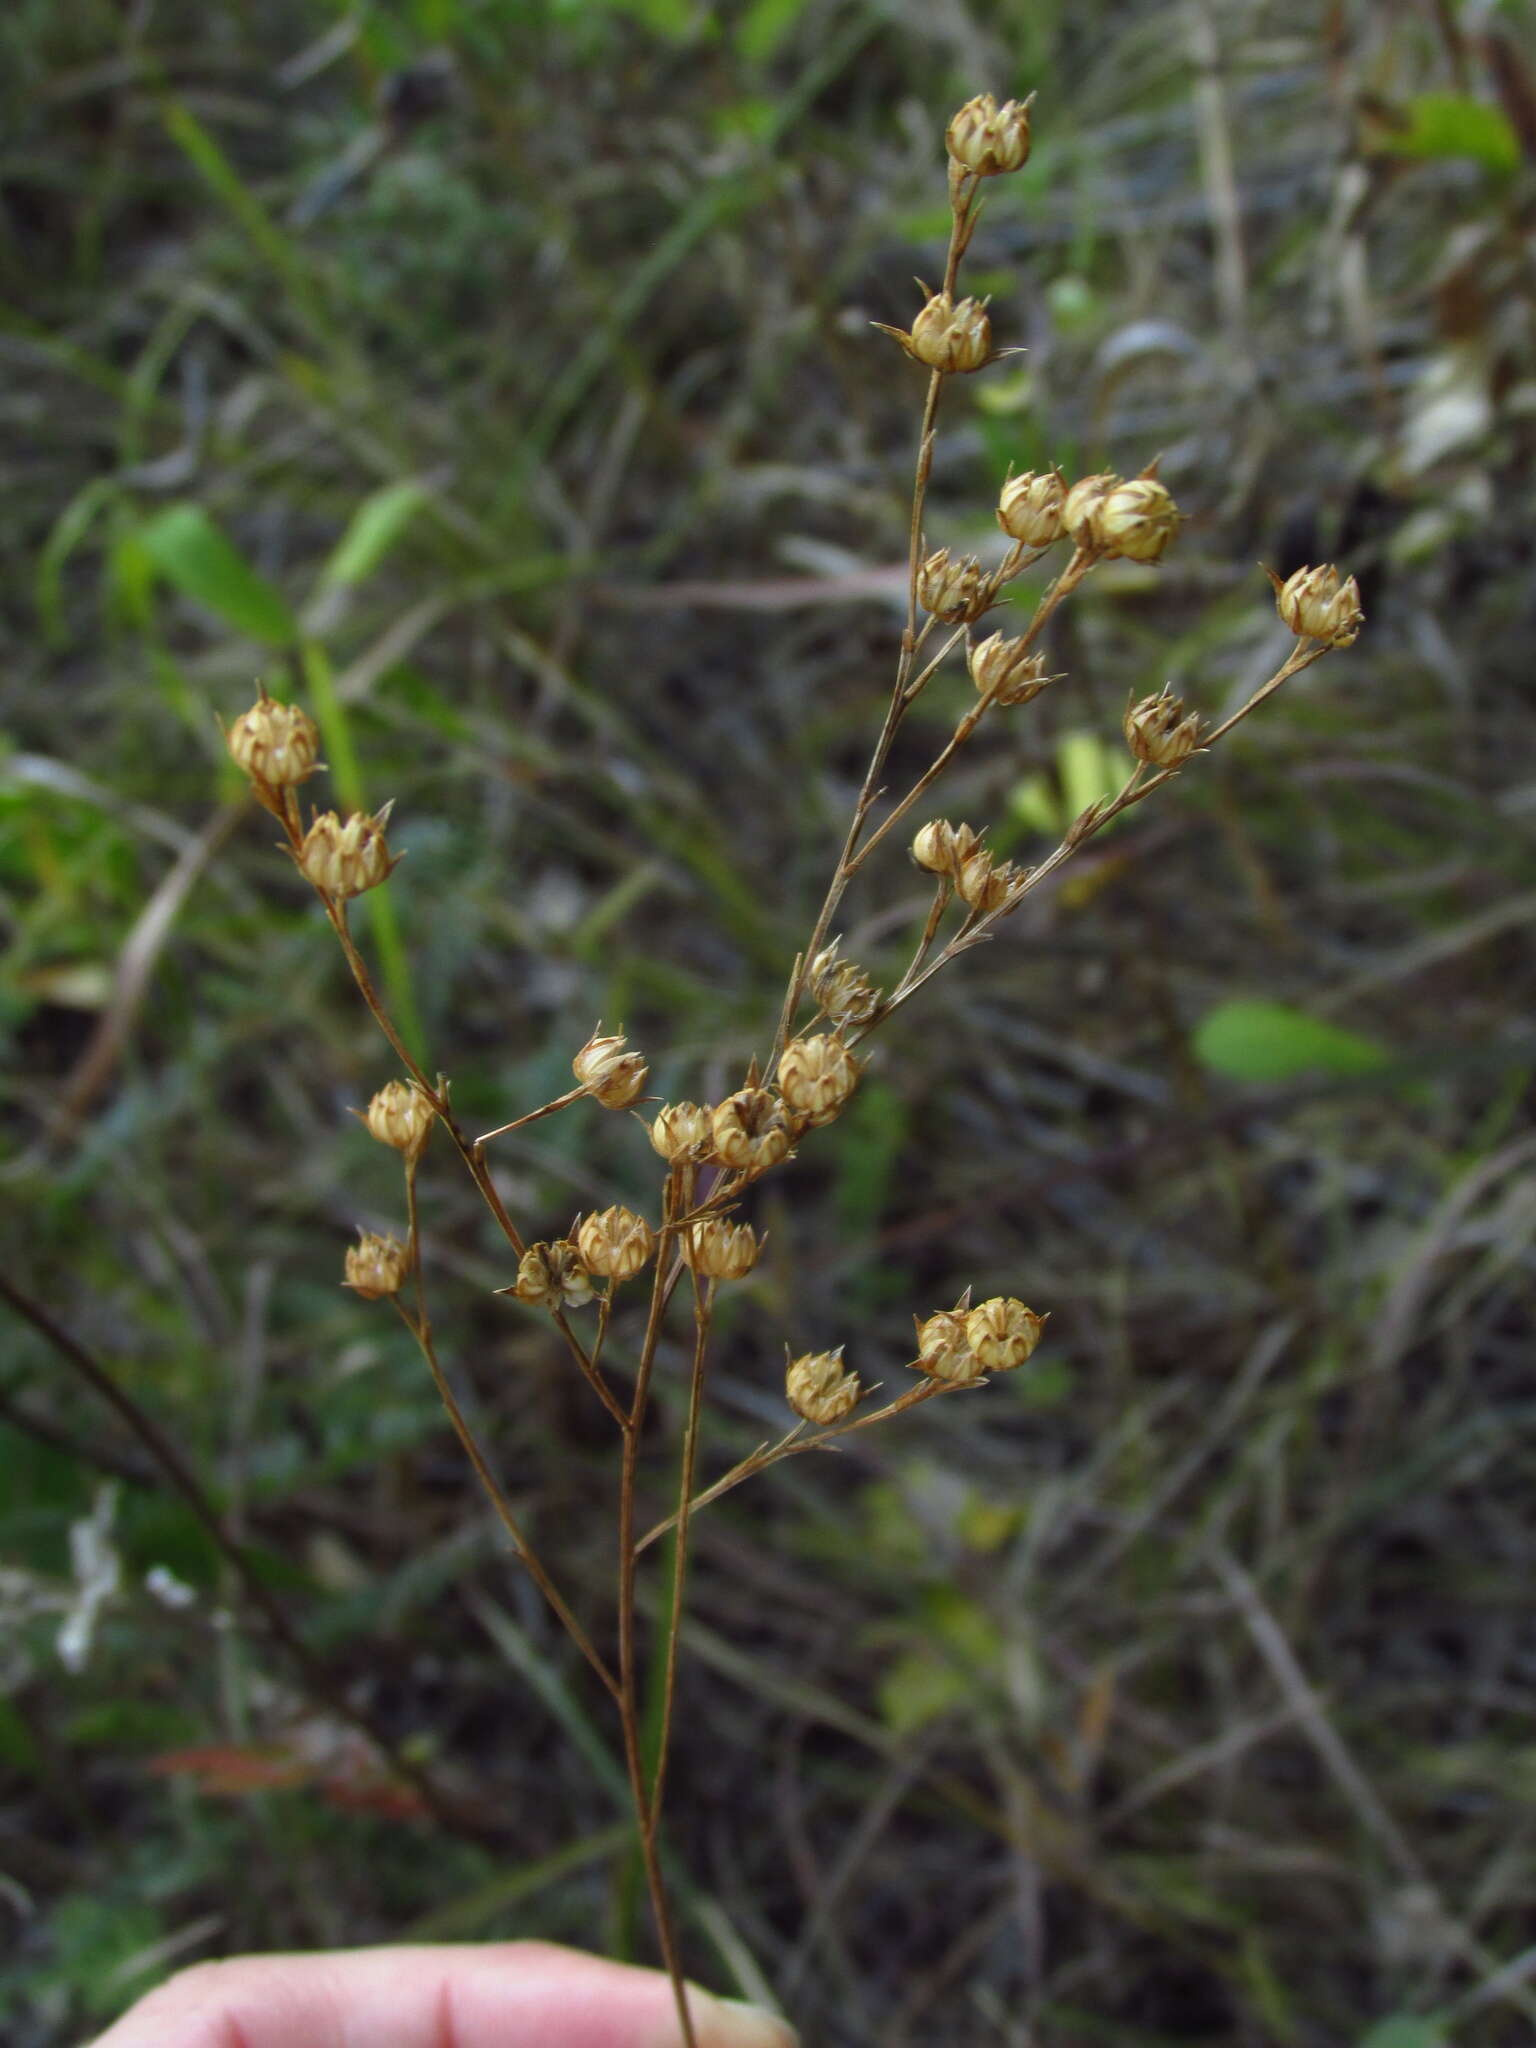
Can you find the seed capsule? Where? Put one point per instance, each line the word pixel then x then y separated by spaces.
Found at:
pixel 1003 1333
pixel 1005 672
pixel 400 1116
pixel 276 744
pixel 1317 606
pixel 944 849
pixel 680 1131
pixel 748 1131
pixel 1080 508
pixel 1030 507
pixel 943 1351
pixel 955 590
pixel 376 1266
pixel 816 1076
pixel 719 1250
pixel 609 1073
pixel 615 1243
pixel 985 885
pixel 951 337
pixel 1158 732
pixel 818 1389
pixel 842 989
pixel 1137 519
pixel 343 859
pixel 987 139
pixel 552 1276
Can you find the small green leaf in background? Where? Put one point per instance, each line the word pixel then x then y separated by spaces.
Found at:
pixel 379 521
pixel 1405 2032
pixel 1448 124
pixel 1254 1040
pixel 194 556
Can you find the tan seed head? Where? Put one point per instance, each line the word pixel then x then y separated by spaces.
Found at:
pixel 1158 731
pixel 719 1250
pixel 611 1075
pixel 842 989
pixel 1137 519
pixel 276 744
pixel 953 588
pixel 343 858
pixel 400 1116
pixel 1029 510
pixel 1005 672
pixel 681 1131
pixel 748 1131
pixel 987 139
pixel 986 885
pixel 615 1243
pixel 816 1076
pixel 376 1266
pixel 551 1276
pixel 947 336
pixel 943 848
pixel 818 1389
pixel 1003 1333
pixel 943 1352
pixel 1317 606
pixel 1079 512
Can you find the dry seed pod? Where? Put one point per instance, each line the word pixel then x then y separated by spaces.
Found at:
pixel 718 1250
pixel 1158 732
pixel 944 849
pixel 400 1116
pixel 987 139
pixel 1079 510
pixel 816 1076
pixel 680 1131
pixel 748 1131
pixel 615 1243
pixel 1003 1333
pixel 344 859
pixel 1317 606
pixel 984 885
pixel 817 1388
pixel 1030 508
pixel 276 744
pixel 1137 519
pixel 376 1266
pixel 951 337
pixel 842 989
pixel 1005 672
pixel 953 590
pixel 611 1075
pixel 552 1276
pixel 943 1351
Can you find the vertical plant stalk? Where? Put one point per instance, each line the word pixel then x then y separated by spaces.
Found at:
pixel 647 1812
pixel 703 1317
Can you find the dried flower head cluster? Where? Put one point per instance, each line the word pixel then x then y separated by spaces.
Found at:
pixel 713 1153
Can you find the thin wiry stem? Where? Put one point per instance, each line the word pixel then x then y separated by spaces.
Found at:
pixel 420 1327
pixel 792 1445
pixel 703 1314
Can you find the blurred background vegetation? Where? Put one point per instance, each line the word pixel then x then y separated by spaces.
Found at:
pixel 497 376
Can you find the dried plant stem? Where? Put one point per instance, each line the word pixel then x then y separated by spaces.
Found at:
pixel 703 1317
pixel 647 1810
pixel 420 1327
pixel 793 1444
pixel 533 1115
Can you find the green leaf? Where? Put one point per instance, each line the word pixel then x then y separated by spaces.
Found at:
pixel 1254 1040
pixel 765 25
pixel 379 521
pixel 194 556
pixel 1448 124
pixel 1406 2032
pixel 917 1688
